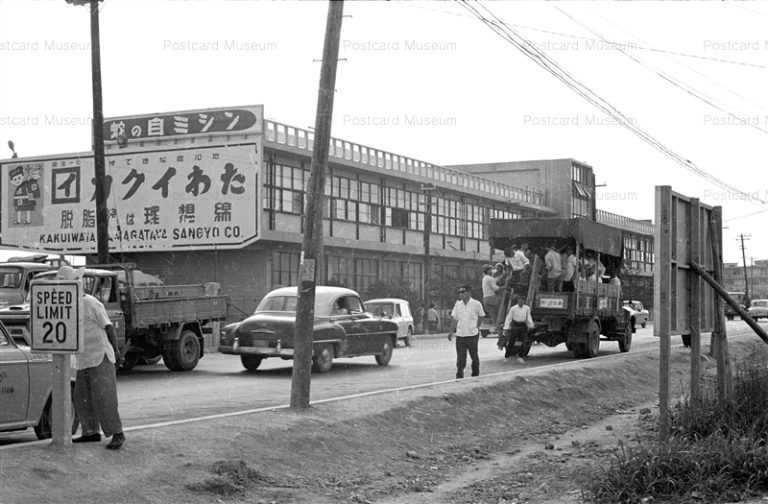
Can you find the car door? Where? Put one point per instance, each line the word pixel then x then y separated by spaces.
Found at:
pixel 348 313
pixel 14 381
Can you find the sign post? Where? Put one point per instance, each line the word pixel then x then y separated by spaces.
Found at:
pixel 57 323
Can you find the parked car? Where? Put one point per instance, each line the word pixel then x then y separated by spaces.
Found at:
pixel 758 309
pixel 342 328
pixel 398 311
pixel 636 312
pixel 25 388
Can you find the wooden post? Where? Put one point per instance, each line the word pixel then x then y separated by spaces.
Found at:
pixel 694 299
pixel 662 279
pixel 719 336
pixel 312 244
pixel 61 403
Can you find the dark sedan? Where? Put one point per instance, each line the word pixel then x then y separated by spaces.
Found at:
pixel 342 329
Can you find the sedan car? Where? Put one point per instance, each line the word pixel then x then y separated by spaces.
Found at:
pixel 758 309
pixel 398 311
pixel 637 312
pixel 25 388
pixel 342 328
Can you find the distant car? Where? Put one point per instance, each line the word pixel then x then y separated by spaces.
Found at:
pixel 397 310
pixel 25 388
pixel 637 312
pixel 758 309
pixel 342 328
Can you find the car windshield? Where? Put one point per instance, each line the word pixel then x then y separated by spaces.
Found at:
pixel 380 309
pixel 761 303
pixel 10 278
pixel 278 303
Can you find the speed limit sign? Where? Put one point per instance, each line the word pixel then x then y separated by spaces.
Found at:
pixel 57 316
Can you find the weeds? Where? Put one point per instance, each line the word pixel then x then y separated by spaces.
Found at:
pixel 717 452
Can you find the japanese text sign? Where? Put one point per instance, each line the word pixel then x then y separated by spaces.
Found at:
pixel 57 315
pixel 191 198
pixel 188 123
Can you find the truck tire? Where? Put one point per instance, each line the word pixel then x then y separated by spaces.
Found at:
pixel 131 359
pixel 251 362
pixel 625 343
pixel 591 346
pixel 43 429
pixel 322 360
pixel 184 353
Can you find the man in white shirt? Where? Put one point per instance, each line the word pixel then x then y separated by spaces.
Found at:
pixel 490 296
pixel 571 266
pixel 516 327
pixel 554 269
pixel 466 315
pixel 95 395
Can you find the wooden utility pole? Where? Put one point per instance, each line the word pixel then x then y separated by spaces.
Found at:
pixel 312 245
pixel 694 299
pixel 663 287
pixel 427 190
pixel 742 237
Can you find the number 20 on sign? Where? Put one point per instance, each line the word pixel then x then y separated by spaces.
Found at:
pixel 57 315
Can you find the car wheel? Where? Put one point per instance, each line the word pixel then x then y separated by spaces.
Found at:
pixel 184 353
pixel 409 337
pixel 44 429
pixel 385 356
pixel 625 343
pixel 251 362
pixel 322 360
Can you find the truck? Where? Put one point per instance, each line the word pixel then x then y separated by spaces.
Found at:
pixel 593 311
pixel 150 319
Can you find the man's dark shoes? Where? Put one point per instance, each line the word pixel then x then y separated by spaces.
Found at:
pixel 88 438
pixel 117 441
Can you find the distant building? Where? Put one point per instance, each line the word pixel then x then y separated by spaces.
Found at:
pixel 757 276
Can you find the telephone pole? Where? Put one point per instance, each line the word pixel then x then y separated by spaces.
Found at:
pixel 312 244
pixel 743 237
pixel 427 189
pixel 102 216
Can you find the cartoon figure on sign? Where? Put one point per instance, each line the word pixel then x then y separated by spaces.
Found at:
pixel 26 193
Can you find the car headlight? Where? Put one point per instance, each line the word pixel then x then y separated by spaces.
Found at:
pixel 227 334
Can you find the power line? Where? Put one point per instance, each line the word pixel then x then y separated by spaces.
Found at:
pixel 502 29
pixel 686 88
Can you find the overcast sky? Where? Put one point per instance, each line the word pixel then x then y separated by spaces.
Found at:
pixel 426 80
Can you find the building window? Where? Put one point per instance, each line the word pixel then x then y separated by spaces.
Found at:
pixel 285 269
pixel 285 189
pixel 340 271
pixel 366 274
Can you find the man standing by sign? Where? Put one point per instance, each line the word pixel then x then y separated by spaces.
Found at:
pixel 96 385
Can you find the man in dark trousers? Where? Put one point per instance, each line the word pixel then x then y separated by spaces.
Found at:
pixel 466 314
pixel 96 384
pixel 516 327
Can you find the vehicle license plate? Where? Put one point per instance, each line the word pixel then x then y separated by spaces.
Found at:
pixel 551 303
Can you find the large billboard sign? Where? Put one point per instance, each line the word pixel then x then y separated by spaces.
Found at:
pixel 192 198
pixel 189 123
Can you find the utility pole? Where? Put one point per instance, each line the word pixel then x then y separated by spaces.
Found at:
pixel 312 244
pixel 742 237
pixel 427 190
pixel 102 222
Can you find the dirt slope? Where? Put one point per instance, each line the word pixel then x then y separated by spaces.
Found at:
pixel 495 439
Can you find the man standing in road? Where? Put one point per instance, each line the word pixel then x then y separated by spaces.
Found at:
pixel 95 394
pixel 554 269
pixel 516 327
pixel 466 315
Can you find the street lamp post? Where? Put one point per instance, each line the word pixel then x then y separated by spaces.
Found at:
pixel 102 217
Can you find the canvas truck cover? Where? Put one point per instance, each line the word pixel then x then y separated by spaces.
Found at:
pixel 590 234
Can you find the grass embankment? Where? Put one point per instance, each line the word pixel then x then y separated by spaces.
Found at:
pixel 717 452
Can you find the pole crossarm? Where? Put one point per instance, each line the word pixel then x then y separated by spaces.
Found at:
pixel 699 269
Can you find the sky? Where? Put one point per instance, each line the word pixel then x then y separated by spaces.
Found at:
pixel 429 81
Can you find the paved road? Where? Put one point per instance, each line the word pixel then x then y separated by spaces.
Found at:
pixel 219 384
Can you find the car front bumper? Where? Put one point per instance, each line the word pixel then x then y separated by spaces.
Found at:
pixel 268 351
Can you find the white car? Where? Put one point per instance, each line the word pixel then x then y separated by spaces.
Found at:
pixel 638 313
pixel 398 310
pixel 758 309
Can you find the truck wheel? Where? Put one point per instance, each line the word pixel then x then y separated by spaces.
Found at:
pixel 322 360
pixel 625 343
pixel 131 359
pixel 385 356
pixel 43 429
pixel 251 362
pixel 593 340
pixel 409 337
pixel 185 352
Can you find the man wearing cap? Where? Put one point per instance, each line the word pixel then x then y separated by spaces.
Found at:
pixel 490 298
pixel 96 385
